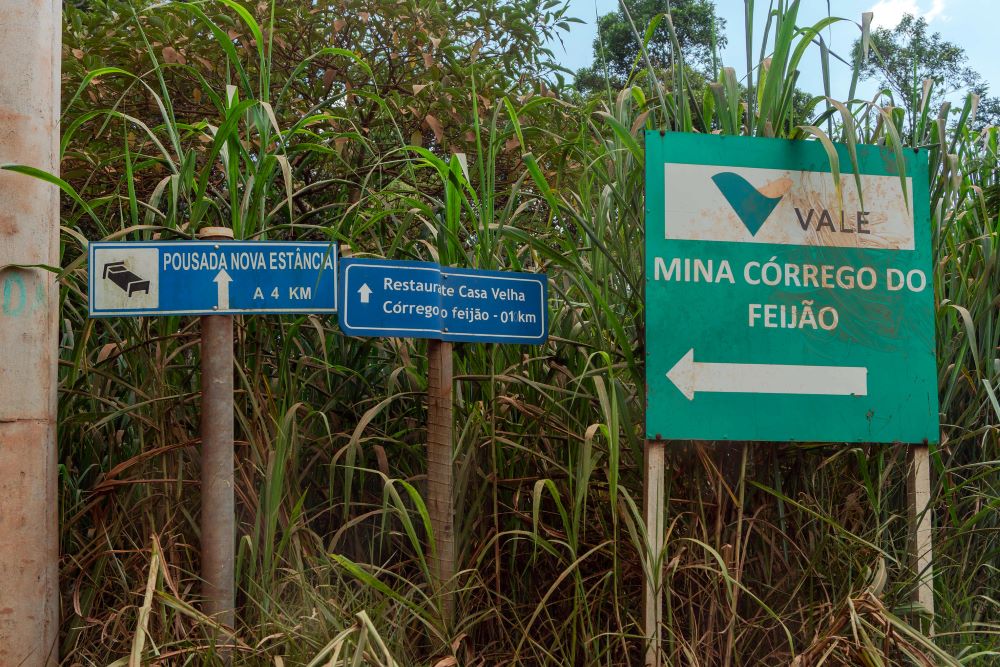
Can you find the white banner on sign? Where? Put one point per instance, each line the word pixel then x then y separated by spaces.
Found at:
pixel 750 205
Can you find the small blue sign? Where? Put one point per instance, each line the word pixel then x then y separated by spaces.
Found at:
pixel 208 277
pixel 425 300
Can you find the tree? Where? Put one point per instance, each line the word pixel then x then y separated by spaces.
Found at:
pixel 616 48
pixel 371 76
pixel 903 57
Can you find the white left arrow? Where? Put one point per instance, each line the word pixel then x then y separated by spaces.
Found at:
pixel 222 280
pixel 365 291
pixel 692 376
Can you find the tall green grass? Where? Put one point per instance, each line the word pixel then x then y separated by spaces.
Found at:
pixel 775 554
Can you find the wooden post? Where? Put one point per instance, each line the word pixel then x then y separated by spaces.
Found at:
pixel 440 496
pixel 921 548
pixel 218 506
pixel 654 484
pixel 30 57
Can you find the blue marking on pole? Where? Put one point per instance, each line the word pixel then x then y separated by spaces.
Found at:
pixel 130 279
pixel 425 300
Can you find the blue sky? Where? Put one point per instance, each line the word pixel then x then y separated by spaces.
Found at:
pixel 970 23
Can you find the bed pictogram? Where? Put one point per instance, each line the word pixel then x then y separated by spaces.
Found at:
pixel 125 279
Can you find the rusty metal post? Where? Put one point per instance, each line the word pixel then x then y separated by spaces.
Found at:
pixel 218 505
pixel 440 496
pixel 30 52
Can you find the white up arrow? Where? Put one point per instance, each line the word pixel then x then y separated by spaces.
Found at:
pixel 222 280
pixel 365 291
pixel 692 376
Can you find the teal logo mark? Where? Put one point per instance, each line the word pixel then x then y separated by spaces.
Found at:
pixel 750 204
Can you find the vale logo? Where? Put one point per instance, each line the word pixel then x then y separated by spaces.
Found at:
pixel 753 206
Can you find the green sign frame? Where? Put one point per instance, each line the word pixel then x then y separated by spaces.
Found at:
pixel 781 306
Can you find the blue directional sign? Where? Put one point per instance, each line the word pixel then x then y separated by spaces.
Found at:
pixel 206 277
pixel 425 300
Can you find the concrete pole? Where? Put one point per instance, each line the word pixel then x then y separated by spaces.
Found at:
pixel 218 506
pixel 30 52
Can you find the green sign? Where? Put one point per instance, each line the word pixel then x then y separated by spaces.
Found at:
pixel 780 306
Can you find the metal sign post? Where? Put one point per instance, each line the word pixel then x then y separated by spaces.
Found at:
pixel 921 547
pixel 218 500
pixel 215 277
pixel 785 305
pixel 30 38
pixel 654 501
pixel 440 486
pixel 426 300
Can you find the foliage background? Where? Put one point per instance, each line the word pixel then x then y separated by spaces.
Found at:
pixel 442 131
